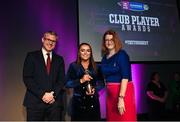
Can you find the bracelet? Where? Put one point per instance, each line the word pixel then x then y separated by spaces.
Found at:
pixel 122 97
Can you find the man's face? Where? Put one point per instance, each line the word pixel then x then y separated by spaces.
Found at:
pixel 49 42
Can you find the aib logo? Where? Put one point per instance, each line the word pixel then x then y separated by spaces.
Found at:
pixel 133 6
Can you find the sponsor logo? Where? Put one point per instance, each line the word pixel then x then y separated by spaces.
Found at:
pixel 133 6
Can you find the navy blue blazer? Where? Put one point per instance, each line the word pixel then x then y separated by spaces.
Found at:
pixel 76 72
pixel 37 81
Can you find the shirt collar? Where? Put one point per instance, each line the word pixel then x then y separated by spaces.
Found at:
pixel 45 52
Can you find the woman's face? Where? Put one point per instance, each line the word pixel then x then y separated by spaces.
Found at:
pixel 156 77
pixel 85 52
pixel 109 43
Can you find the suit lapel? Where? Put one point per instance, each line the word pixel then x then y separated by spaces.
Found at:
pixel 42 62
pixel 53 62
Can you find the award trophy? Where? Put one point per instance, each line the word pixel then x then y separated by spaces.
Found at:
pixel 88 86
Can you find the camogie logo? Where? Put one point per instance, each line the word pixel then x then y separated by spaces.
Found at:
pixel 133 6
pixel 134 23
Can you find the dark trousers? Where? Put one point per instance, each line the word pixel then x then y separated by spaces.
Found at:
pixel 48 113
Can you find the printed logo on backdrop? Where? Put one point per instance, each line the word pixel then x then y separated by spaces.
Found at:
pixel 132 22
pixel 133 6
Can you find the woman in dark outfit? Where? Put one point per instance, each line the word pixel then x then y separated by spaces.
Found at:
pixel 157 94
pixel 85 105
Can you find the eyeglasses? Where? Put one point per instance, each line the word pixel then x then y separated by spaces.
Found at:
pixel 50 41
pixel 109 40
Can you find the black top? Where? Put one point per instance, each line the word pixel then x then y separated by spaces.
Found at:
pixel 158 91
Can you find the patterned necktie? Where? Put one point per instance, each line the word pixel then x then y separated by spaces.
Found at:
pixel 48 65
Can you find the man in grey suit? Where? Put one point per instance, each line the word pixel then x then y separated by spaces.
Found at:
pixel 43 76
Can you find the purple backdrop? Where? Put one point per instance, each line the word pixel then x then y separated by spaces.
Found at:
pixel 22 25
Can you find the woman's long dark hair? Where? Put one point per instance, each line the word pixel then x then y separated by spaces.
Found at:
pixel 92 62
